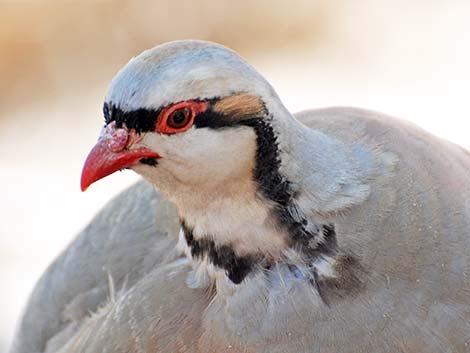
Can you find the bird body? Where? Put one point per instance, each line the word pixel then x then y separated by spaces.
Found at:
pixel 334 230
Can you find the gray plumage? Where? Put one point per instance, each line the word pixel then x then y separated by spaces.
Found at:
pixel 399 199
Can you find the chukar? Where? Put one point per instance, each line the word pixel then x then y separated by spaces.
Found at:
pixel 334 230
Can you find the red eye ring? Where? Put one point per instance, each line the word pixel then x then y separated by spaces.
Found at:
pixel 178 117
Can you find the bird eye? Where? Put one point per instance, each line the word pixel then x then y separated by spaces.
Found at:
pixel 179 118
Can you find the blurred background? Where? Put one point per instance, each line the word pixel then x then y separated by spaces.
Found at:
pixel 406 58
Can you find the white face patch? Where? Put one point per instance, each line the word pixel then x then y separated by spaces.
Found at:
pixel 208 174
pixel 199 157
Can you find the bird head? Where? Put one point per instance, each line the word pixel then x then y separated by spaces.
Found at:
pixel 182 115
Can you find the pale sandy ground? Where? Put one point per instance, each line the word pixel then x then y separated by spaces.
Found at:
pixel 416 67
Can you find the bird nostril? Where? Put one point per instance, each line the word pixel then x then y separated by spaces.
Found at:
pixel 118 140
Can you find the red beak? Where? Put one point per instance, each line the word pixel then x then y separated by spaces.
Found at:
pixel 103 161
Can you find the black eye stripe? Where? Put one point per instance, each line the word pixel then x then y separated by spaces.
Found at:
pixel 142 120
pixel 213 120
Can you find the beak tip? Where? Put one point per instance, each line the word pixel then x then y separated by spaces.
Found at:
pixel 84 184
